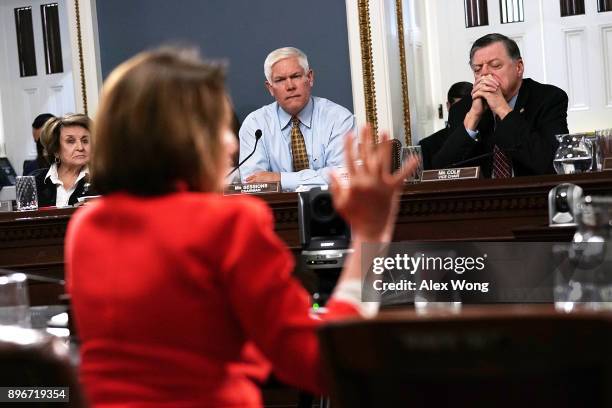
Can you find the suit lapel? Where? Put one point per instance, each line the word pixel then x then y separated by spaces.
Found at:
pixel 523 96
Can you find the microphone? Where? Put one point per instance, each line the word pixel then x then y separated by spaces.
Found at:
pixel 257 137
pixel 480 156
pixel 471 159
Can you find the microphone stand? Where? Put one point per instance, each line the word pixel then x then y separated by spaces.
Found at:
pixel 471 159
pixel 480 156
pixel 257 137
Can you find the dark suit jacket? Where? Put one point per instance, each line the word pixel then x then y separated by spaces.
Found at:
pixel 430 146
pixel 29 166
pixel 527 134
pixel 47 191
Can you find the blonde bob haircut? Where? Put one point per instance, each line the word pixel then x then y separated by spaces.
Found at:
pixel 158 126
pixel 52 129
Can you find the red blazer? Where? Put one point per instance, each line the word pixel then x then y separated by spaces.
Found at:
pixel 175 296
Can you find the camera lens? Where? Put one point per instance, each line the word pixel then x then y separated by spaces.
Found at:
pixel 561 199
pixel 322 208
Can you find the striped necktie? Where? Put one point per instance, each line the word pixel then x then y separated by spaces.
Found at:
pixel 298 147
pixel 502 165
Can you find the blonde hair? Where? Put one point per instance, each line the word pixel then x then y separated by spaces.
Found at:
pixel 158 124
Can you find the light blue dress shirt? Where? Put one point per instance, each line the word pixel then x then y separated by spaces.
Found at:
pixel 324 125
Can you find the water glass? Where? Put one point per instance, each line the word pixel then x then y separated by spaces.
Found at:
pixel 576 289
pixel 413 151
pixel 584 279
pixel 603 141
pixel 25 191
pixel 429 300
pixel 583 289
pixel 574 154
pixel 14 303
pixel 426 307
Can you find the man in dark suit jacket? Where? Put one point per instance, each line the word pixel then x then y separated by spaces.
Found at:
pixel 431 144
pixel 508 125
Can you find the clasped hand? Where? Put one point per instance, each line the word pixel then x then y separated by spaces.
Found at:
pixel 487 94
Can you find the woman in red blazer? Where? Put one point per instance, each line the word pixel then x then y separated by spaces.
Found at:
pixel 184 297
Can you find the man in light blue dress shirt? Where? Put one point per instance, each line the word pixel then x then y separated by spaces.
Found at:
pixel 323 123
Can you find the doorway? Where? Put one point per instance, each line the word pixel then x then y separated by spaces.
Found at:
pixel 36 76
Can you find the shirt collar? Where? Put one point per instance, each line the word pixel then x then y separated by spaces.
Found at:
pixel 52 174
pixel 512 101
pixel 305 115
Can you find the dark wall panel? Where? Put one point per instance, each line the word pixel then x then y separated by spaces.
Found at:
pixel 242 32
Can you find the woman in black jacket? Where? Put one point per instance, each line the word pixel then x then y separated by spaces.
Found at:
pixel 67 143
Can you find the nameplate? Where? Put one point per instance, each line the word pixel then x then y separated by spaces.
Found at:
pixel 251 188
pixel 6 206
pixel 462 173
pixel 607 164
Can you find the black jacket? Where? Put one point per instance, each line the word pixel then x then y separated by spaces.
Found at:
pixel 527 134
pixel 430 146
pixel 47 191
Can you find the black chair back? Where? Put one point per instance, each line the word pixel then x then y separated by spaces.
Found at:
pixel 396 154
pixel 29 359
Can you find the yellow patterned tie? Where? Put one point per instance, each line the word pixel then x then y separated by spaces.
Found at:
pixel 298 147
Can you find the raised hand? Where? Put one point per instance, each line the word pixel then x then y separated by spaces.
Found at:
pixel 369 203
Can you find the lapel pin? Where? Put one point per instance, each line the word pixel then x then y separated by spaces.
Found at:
pixel 522 110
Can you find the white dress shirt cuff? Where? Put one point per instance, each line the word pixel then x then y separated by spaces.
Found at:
pixel 349 291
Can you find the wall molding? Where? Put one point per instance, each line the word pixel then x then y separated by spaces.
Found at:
pixel 577 71
pixel 83 27
pixel 367 63
pixel 399 13
pixel 378 55
pixel 606 52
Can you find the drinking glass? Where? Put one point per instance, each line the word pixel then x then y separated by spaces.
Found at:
pixel 434 291
pixel 410 151
pixel 603 141
pixel 431 302
pixel 584 280
pixel 25 191
pixel 574 154
pixel 14 303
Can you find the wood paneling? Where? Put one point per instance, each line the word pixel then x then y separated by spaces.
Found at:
pixel 577 70
pixel 469 210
